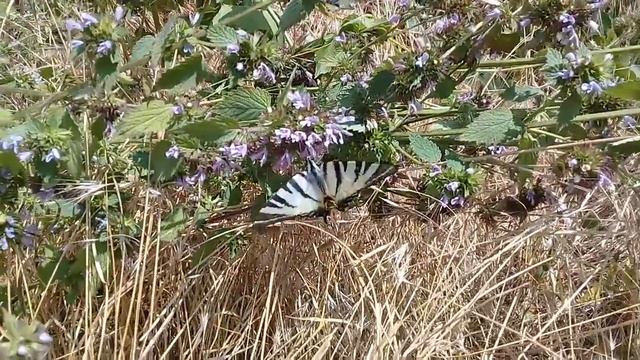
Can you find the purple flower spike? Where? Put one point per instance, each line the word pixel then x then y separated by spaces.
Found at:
pixel 341 38
pixel 421 61
pixel 119 13
pixel 284 163
pixel 173 152
pixel 25 156
pixel 334 134
pixel 310 121
pixel 494 13
pixel 452 186
pixel 435 170
pixel 234 151
pixel 53 154
pixel 104 48
pixel 260 155
pixel 604 179
pixel 178 110
pixel 628 122
pixel 457 201
pixel 573 163
pixel 88 19
pixel 591 88
pixel 395 19
pixel 300 100
pixel 233 49
pixel 264 74
pixel 72 25
pixel 282 135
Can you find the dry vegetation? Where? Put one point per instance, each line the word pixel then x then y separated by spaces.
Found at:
pixel 392 288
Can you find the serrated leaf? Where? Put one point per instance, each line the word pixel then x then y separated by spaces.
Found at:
pixel 183 77
pixel 9 160
pixel 296 11
pixel 554 58
pixel 329 57
pixel 520 93
pixel 425 149
pixel 245 104
pixel 628 90
pixel 569 109
pixel 221 35
pixel 163 167
pixel 172 226
pixel 210 131
pixel 145 119
pixel 142 48
pixel 160 40
pixel 380 84
pixel 106 73
pixel 491 127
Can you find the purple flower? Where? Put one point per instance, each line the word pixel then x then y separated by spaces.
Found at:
pixel 364 80
pixel 494 13
pixel 444 200
pixel 193 18
pixel 173 152
pixel 524 22
pixel 28 237
pixel 446 23
pixel 25 156
pixel 421 60
pixel 298 136
pixel 104 48
pixel 242 35
pixel 300 100
pixel 341 38
pixel 414 107
pixel 4 245
pixel 233 49
pixel 178 110
pixel 334 134
pixel 395 19
pixel 593 26
pixel 284 163
pixel 591 88
pixel 568 37
pixel 435 170
pixel 88 19
pixel 596 4
pixel 76 44
pixel 282 134
pixel 188 49
pixel 572 58
pixel 119 13
pixel 314 146
pixel 628 122
pixel 457 201
pixel 234 151
pixel 260 155
pixel 604 179
pixel 46 195
pixel 109 130
pixel 573 163
pixel 452 186
pixel 239 66
pixel 12 144
pixel 309 121
pixel 198 177
pixel 567 20
pixel 72 25
pixel 404 3
pixel 566 74
pixel 53 154
pixel 496 149
pixel 346 78
pixel 531 197
pixel 264 74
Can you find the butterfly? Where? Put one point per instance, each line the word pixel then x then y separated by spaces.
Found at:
pixel 320 188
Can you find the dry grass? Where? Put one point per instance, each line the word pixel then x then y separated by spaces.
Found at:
pixel 389 289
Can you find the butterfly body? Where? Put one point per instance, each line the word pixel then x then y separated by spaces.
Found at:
pixel 321 188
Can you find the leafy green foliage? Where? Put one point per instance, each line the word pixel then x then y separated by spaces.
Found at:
pixel 173 224
pixel 492 127
pixel 628 90
pixel 145 119
pixel 570 108
pixel 163 167
pixel 295 12
pixel 184 76
pixel 244 104
pixel 425 149
pixel 520 93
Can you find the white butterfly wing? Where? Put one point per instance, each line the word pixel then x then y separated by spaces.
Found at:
pixel 345 178
pixel 301 195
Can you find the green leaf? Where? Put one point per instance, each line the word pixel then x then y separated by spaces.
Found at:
pixel 492 127
pixel 6 120
pixel 520 93
pixel 425 149
pixel 628 90
pixel 145 119
pixel 142 48
pixel 329 57
pixel 222 35
pixel 444 88
pixel 380 84
pixel 296 11
pixel 74 159
pixel 210 131
pixel 570 108
pixel 106 72
pixel 9 160
pixel 526 159
pixel 265 21
pixel 183 77
pixel 245 104
pixel 163 167
pixel 554 59
pixel 160 40
pixel 626 146
pixel 173 225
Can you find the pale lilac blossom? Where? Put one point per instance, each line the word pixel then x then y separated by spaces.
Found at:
pixel 88 19
pixel 25 156
pixel 104 48
pixel 282 134
pixel 264 74
pixel 53 154
pixel 452 186
pixel 76 44
pixel 422 60
pixel 334 134
pixel 341 38
pixel 591 88
pixel 494 13
pixel 628 122
pixel 240 66
pixel 395 19
pixel 235 151
pixel 194 18
pixel 346 78
pixel 233 49
pixel 284 163
pixel 309 121
pixel 119 13
pixel 173 152
pixel 178 109
pixel 457 201
pixel 435 170
pixel 300 100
